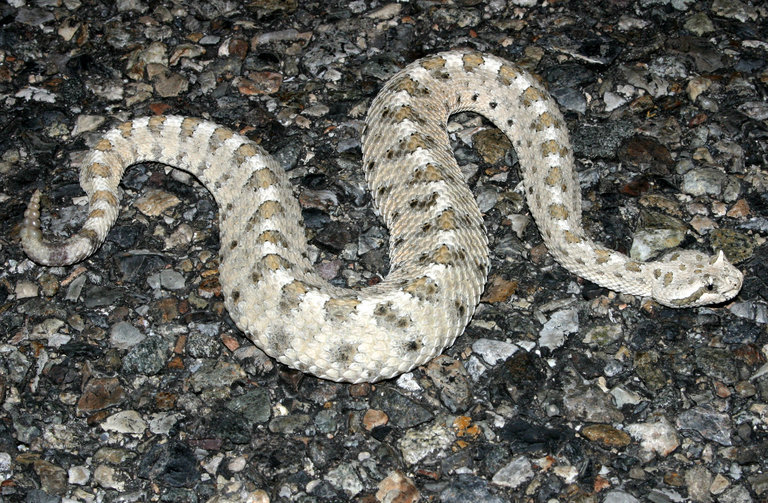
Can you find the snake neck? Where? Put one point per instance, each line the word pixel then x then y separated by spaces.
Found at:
pixel 603 266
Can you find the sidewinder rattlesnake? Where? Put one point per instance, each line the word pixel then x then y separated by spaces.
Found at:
pixel 438 246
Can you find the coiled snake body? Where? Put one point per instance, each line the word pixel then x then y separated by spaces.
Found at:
pixel 438 246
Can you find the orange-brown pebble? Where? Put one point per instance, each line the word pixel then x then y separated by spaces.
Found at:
pixel 374 418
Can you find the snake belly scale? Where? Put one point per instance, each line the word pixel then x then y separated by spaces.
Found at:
pixel 438 245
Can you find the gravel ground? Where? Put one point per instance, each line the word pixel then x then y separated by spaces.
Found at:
pixel 123 379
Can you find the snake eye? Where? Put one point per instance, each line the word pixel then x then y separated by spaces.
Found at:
pixel 710 286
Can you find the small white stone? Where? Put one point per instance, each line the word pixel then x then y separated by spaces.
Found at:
pixel 127 421
pixel 659 437
pixel 407 382
pixel 514 474
pixel 5 462
pixel 237 464
pixel 161 423
pixel 620 497
pixel 419 443
pixel 559 325
pixel 387 12
pixel 25 289
pixel 212 465
pixel 568 473
pixel 613 101
pixel 78 475
pixel 123 335
pixel 493 351
pixel 719 484
pixel 86 123
pixel 109 478
pixel 623 397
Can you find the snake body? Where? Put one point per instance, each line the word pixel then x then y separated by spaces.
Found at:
pixel 438 246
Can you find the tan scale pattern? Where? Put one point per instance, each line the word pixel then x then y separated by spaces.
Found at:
pixel 438 246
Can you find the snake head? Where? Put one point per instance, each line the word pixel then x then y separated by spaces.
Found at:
pixel 683 278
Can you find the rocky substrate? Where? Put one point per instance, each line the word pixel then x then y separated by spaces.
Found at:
pixel 122 378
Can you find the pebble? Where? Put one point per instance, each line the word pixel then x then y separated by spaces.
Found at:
pixel 49 284
pixel 169 84
pixel 127 421
pixel 754 110
pixel 418 443
pixel 294 423
pixel 570 99
pixel 589 403
pixel 374 418
pixel 492 145
pixel 499 290
pixel 737 246
pixel 345 478
pixel 514 474
pixel 696 86
pixel 237 464
pixel 78 475
pixel 156 202
pixel 658 436
pixel 113 455
pixel 710 181
pixel 168 279
pixel 619 497
pixel 386 12
pixel 699 24
pixel 327 421
pixel 75 288
pixel 170 463
pixel 25 290
pixel 397 488
pixel 709 424
pixel 698 481
pixel 87 123
pixel 33 17
pixel 759 483
pixel 603 335
pixel 655 233
pixel 53 478
pixel 110 478
pixel 719 484
pixel 717 363
pixel 98 296
pixel 734 9
pixel 736 494
pixel 493 351
pixel 466 488
pixel 452 381
pixel 123 335
pixel 613 101
pixel 559 325
pixel 161 423
pixel 606 435
pixel 258 83
pixel 202 341
pixel 254 405
pixel 146 357
pixel 46 330
pixel 623 397
pixel 6 462
pixel 475 368
pixel 402 411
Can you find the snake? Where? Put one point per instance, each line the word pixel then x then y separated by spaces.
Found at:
pixel 438 247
